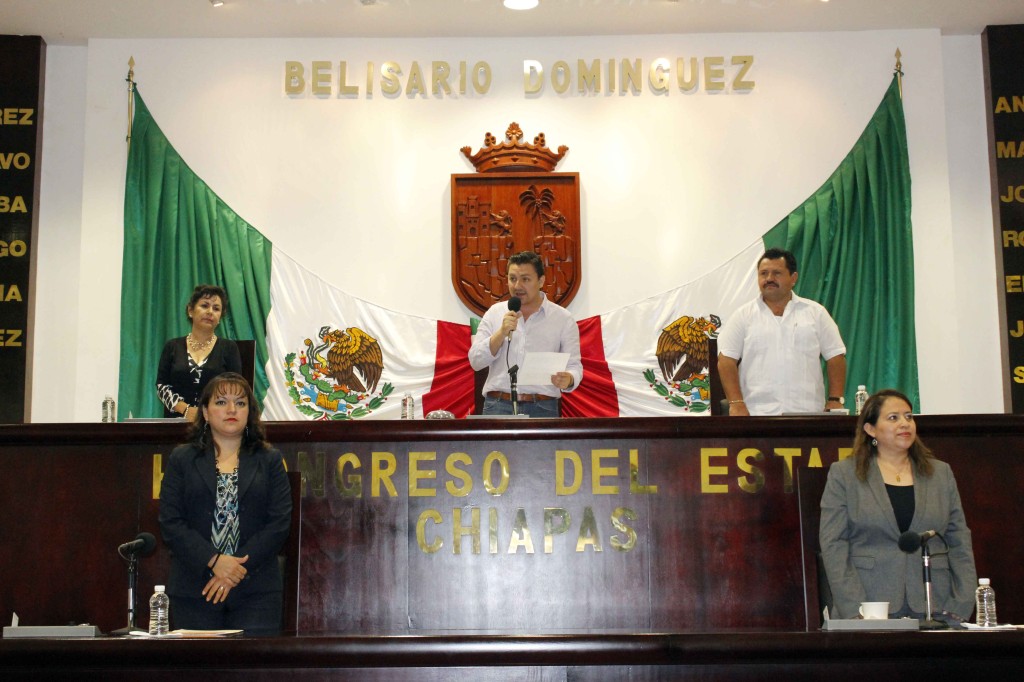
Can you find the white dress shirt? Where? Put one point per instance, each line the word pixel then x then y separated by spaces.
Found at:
pixel 781 367
pixel 550 329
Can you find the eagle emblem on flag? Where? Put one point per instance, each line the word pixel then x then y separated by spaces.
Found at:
pixel 336 375
pixel 684 361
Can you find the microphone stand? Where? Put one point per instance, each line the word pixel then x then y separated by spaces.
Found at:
pixel 929 623
pixel 513 373
pixel 133 564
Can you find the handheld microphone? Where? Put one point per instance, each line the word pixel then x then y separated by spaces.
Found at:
pixel 911 541
pixel 514 304
pixel 144 543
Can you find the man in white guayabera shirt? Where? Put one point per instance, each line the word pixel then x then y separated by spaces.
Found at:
pixel 769 350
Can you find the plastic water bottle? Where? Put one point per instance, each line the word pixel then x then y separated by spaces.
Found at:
pixel 109 413
pixel 408 406
pixel 159 612
pixel 985 602
pixel 859 398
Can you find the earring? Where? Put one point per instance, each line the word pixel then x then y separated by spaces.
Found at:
pixel 874 442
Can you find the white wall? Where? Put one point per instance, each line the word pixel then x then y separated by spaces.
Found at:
pixel 57 321
pixel 977 371
pixel 671 185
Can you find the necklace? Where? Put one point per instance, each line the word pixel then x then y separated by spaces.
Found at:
pixel 901 470
pixel 198 346
pixel 217 459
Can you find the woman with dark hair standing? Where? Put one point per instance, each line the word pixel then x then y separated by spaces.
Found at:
pixel 189 362
pixel 893 484
pixel 225 512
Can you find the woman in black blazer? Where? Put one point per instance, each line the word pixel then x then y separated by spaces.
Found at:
pixel 225 511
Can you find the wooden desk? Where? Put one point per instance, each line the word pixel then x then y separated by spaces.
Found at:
pixel 696 520
pixel 504 658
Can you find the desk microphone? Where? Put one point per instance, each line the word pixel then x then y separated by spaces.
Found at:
pixel 911 541
pixel 514 304
pixel 144 543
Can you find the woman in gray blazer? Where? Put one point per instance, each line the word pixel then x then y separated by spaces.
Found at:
pixel 225 512
pixel 890 485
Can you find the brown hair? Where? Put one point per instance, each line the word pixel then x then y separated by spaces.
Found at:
pixel 253 438
pixel 864 450
pixel 528 257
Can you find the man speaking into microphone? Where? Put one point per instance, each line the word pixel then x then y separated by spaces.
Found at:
pixel 510 330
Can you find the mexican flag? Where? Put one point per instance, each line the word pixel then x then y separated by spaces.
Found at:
pixel 322 354
pixel 334 356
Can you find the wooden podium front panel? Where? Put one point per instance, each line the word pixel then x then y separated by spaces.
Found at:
pixel 712 506
pixel 699 560
pixel 421 578
pixel 544 561
pixel 353 573
pixel 64 510
pixel 723 557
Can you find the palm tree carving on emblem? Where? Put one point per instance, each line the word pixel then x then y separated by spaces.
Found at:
pixel 550 241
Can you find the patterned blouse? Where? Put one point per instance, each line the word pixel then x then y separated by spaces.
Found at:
pixel 225 518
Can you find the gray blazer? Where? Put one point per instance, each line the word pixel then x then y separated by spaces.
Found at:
pixel 859 543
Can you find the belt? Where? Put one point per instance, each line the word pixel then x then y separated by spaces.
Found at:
pixel 522 397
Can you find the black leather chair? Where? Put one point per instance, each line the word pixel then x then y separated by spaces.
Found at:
pixel 289 559
pixel 810 484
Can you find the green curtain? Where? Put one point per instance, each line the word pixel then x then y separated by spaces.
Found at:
pixel 177 234
pixel 855 255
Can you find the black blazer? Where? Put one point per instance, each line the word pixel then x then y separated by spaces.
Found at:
pixel 173 370
pixel 188 496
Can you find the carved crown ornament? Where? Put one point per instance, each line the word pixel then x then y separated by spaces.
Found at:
pixel 513 154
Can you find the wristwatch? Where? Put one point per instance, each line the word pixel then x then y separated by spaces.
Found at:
pixel 834 399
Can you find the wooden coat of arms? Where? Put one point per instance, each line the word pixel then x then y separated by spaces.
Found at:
pixel 514 202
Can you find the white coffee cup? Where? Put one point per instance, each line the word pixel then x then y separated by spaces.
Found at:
pixel 874 610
